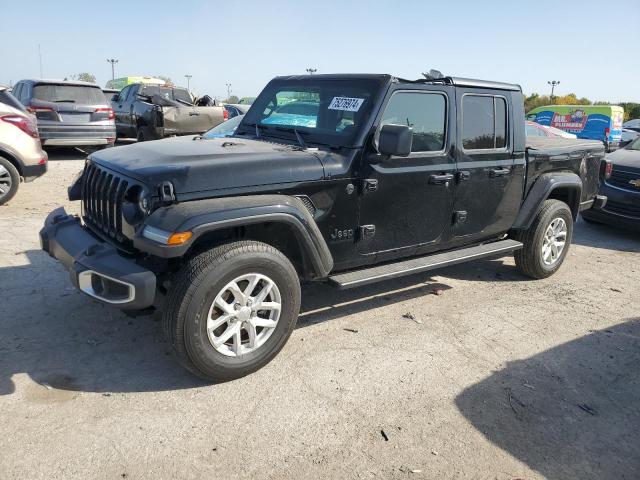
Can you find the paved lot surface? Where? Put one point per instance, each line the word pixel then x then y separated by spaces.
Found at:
pixel 497 377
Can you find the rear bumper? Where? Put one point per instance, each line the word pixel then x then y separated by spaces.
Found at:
pixel 31 172
pixel 95 267
pixel 76 135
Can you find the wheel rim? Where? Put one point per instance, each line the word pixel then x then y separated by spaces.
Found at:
pixel 244 314
pixel 555 239
pixel 5 181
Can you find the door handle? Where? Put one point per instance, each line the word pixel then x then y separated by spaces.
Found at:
pixel 463 175
pixel 440 179
pixel 499 172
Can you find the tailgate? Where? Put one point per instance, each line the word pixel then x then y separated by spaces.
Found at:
pixel 186 120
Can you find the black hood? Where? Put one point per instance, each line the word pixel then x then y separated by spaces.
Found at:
pixel 211 164
pixel 628 160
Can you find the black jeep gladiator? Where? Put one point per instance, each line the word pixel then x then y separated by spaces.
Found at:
pixel 350 179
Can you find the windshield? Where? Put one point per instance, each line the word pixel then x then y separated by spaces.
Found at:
pixel 168 93
pixel 635 145
pixel 323 111
pixel 79 94
pixel 225 129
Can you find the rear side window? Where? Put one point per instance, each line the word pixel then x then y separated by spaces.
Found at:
pixel 484 122
pixel 69 93
pixel 425 113
pixel 8 99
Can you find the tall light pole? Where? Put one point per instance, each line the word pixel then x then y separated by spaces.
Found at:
pixel 228 91
pixel 188 77
pixel 113 62
pixel 311 71
pixel 553 84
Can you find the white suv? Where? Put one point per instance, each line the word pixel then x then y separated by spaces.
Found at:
pixel 21 155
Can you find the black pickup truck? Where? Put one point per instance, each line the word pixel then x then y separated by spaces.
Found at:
pixel 349 179
pixel 150 112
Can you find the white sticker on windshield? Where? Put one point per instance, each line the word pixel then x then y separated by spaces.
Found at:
pixel 346 103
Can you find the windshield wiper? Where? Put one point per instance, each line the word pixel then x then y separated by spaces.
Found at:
pixel 301 141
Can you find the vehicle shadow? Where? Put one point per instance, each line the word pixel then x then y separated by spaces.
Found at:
pixel 569 412
pixel 605 236
pixel 67 153
pixel 64 340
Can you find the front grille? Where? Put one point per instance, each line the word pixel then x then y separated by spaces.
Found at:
pixel 103 192
pixel 621 208
pixel 621 179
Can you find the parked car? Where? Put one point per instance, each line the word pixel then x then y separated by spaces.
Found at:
pixel 391 178
pixel 151 112
pixel 628 136
pixel 21 155
pixel 594 122
pixel 621 186
pixel 235 109
pixel 534 129
pixel 109 93
pixel 69 113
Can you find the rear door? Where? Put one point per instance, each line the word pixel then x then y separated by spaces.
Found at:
pixel 121 110
pixel 408 200
pixel 488 184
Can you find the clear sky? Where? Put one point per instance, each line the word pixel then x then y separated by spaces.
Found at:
pixel 590 46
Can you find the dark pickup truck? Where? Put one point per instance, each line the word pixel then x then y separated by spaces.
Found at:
pixel 150 112
pixel 349 179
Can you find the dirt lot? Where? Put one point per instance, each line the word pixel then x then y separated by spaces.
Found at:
pixel 497 377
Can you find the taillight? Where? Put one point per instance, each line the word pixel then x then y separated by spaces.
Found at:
pixel 225 115
pixel 607 131
pixel 111 114
pixel 26 124
pixel 608 168
pixel 35 110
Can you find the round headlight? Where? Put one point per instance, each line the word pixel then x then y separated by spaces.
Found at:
pixel 136 205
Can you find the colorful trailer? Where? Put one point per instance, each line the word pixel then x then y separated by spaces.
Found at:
pixel 596 122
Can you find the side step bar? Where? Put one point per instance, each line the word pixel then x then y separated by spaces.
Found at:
pixel 366 276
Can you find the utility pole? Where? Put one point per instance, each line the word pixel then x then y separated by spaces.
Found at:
pixel 188 77
pixel 40 60
pixel 311 71
pixel 113 62
pixel 553 84
pixel 228 91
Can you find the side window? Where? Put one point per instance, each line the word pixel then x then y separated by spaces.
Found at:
pixel 425 113
pixel 484 122
pixel 15 91
pixel 123 94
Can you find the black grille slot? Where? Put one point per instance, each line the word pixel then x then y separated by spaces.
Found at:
pixel 621 179
pixel 626 209
pixel 103 192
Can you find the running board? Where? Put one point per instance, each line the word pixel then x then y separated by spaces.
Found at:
pixel 366 276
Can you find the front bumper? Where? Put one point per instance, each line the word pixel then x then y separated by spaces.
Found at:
pixel 96 267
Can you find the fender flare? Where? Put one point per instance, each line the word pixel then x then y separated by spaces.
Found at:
pixel 542 189
pixel 204 216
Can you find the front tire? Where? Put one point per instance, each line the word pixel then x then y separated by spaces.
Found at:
pixel 546 241
pixel 231 309
pixel 9 180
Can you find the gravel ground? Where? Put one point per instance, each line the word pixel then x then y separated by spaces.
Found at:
pixel 496 377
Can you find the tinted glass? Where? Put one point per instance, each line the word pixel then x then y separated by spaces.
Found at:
pixel 168 93
pixel 324 111
pixel 8 99
pixel 425 113
pixel 501 122
pixel 122 96
pixel 69 93
pixel 477 122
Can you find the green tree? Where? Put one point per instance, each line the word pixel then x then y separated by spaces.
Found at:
pixel 232 99
pixel 86 77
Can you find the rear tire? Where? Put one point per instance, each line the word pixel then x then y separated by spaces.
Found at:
pixel 9 180
pixel 546 241
pixel 144 134
pixel 218 334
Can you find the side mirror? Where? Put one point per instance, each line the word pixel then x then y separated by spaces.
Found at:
pixel 395 140
pixel 116 97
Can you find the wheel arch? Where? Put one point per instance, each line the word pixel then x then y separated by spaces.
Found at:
pixel 12 159
pixel 281 221
pixel 563 186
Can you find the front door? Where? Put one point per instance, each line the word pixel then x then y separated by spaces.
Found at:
pixel 490 182
pixel 406 202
